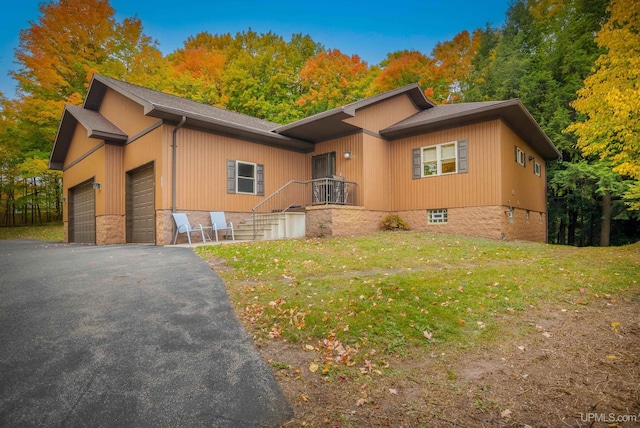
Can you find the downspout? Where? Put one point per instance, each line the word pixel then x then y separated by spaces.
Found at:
pixel 174 148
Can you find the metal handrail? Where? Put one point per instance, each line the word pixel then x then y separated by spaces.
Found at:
pixel 322 191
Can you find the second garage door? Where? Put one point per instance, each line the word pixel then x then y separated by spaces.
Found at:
pixel 141 214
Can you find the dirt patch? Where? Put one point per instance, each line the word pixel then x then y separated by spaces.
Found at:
pixel 577 366
pixel 218 264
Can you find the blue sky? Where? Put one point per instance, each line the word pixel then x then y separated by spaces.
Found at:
pixel 370 29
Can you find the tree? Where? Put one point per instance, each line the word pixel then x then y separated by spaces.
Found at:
pixel 331 79
pixel 610 99
pixel 405 67
pixel 197 74
pixel 476 84
pixel 58 54
pixel 261 74
pixel 56 57
pixel 454 59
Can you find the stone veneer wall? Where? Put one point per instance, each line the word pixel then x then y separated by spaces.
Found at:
pixel 337 220
pixel 533 228
pixel 484 221
pixel 110 229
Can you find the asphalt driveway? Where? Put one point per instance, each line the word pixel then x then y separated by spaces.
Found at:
pixel 125 336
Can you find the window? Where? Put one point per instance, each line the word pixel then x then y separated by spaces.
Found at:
pixel 245 177
pixel 437 216
pixel 536 169
pixel 520 156
pixel 440 159
pixel 447 158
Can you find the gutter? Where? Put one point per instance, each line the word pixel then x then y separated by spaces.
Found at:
pixel 174 148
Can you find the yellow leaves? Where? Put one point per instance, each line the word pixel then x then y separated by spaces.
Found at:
pixel 313 367
pixel 615 326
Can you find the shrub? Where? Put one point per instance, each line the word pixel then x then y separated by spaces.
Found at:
pixel 394 222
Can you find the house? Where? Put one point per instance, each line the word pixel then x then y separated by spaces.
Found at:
pixel 131 156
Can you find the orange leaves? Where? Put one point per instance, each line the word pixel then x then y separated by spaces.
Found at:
pixel 331 79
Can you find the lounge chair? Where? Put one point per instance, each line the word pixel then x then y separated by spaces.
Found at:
pixel 183 226
pixel 219 222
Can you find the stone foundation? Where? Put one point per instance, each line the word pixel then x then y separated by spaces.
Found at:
pixel 110 229
pixel 486 222
pixel 337 220
pixel 525 225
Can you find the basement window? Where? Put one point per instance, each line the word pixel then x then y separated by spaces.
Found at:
pixel 437 216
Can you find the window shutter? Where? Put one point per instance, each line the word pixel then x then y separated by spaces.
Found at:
pixel 260 180
pixel 231 176
pixel 463 156
pixel 515 152
pixel 416 163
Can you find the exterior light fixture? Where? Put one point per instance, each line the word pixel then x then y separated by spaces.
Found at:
pixel 347 155
pixel 96 185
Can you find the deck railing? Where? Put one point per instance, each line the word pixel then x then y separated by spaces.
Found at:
pixel 296 195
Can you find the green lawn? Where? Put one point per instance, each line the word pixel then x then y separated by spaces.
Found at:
pixel 400 291
pixel 52 232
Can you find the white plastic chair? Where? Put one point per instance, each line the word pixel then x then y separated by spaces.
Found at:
pixel 219 222
pixel 183 226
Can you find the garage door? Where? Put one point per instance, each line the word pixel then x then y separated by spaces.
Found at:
pixel 82 217
pixel 141 214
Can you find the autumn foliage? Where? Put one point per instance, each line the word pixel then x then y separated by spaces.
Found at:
pixel 544 55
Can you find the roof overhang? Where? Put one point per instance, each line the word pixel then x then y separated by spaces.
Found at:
pixel 96 125
pixel 512 112
pixel 330 124
pixel 227 128
pixel 172 115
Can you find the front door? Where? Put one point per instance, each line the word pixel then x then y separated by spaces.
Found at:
pixel 323 167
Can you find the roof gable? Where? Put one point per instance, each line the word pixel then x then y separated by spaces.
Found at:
pixel 512 112
pixel 330 124
pixel 97 126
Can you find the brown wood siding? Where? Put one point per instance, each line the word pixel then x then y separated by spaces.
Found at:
pixel 384 114
pixel 202 173
pixel 479 186
pixel 521 188
pixel 113 186
pixel 81 145
pixel 375 186
pixel 146 149
pixel 350 169
pixel 92 167
pixel 124 113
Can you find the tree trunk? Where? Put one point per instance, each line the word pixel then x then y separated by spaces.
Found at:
pixel 571 229
pixel 605 229
pixel 561 232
